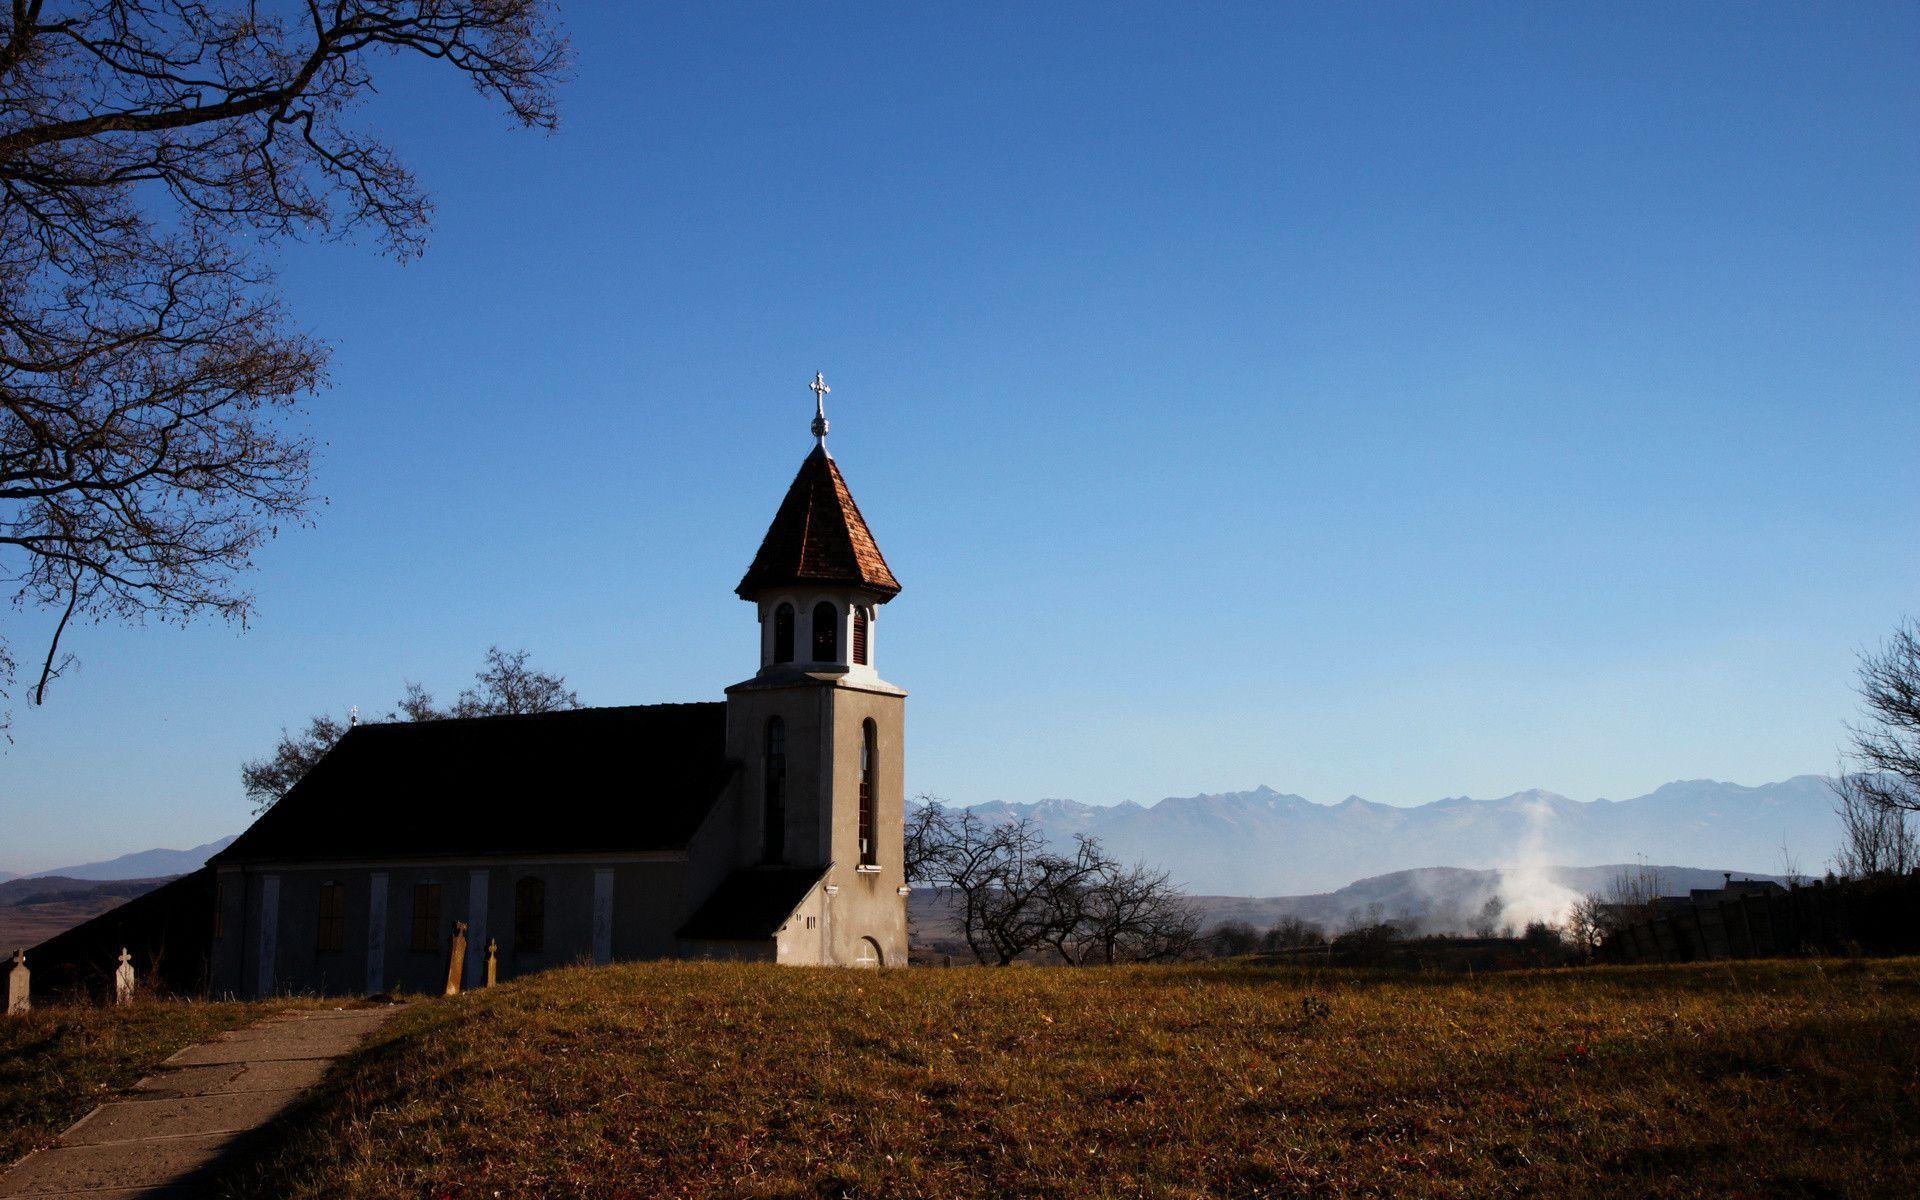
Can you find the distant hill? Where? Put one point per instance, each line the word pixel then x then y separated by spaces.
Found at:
pixel 143 864
pixel 35 908
pixel 1451 899
pixel 1266 843
pixel 1425 900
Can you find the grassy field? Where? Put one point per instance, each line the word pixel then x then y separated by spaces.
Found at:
pixel 684 1080
pixel 58 1061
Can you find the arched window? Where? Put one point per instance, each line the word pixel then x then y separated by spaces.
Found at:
pixel 869 852
pixel 774 836
pixel 860 637
pixel 529 914
pixel 826 633
pixel 783 633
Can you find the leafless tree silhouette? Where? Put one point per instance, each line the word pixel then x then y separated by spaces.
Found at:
pixel 505 685
pixel 148 372
pixel 1886 743
pixel 1014 896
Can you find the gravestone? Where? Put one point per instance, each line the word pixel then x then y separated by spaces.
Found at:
pixel 456 957
pixel 123 979
pixel 493 952
pixel 17 978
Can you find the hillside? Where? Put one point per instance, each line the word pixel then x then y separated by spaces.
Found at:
pixel 707 1080
pixel 142 864
pixel 1265 843
pixel 1450 899
pixel 36 908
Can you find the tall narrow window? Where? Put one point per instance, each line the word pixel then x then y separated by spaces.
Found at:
pixel 529 914
pixel 774 837
pixel 826 633
pixel 426 917
pixel 869 852
pixel 783 634
pixel 860 637
pixel 332 934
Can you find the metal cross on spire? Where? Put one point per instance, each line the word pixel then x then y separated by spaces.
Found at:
pixel 820 390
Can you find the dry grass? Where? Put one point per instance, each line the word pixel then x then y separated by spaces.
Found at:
pixel 58 1061
pixel 672 1080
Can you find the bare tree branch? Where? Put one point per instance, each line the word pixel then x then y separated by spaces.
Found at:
pixel 149 379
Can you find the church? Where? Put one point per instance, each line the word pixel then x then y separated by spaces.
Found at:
pixel 767 826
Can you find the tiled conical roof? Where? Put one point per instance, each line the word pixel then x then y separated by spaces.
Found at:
pixel 818 536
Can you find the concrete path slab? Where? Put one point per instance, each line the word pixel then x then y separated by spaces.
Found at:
pixel 166 1137
pixel 141 1120
pixel 225 1079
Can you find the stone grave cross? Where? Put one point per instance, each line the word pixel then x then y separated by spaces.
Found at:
pixel 456 957
pixel 123 979
pixel 17 979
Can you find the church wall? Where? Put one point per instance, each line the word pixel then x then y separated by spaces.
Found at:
pixel 648 902
pixel 824 729
pixel 717 848
pixel 804 941
pixel 230 899
pixel 868 903
pixel 805 707
pixel 649 906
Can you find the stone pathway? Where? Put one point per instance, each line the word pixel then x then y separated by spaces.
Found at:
pixel 167 1137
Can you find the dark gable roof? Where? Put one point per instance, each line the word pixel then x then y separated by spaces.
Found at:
pixel 819 536
pixel 585 780
pixel 751 904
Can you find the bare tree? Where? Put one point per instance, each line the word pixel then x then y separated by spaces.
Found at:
pixel 147 370
pixel 1127 914
pixel 267 779
pixel 1588 923
pixel 1013 896
pixel 1886 742
pixel 1231 939
pixel 976 862
pixel 1028 900
pixel 505 685
pixel 1292 933
pixel 1632 894
pixel 1487 923
pixel 926 840
pixel 1876 839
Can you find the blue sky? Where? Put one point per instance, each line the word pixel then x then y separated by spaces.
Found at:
pixel 1402 400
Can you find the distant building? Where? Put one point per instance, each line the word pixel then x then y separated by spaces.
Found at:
pixel 767 826
pixel 1731 889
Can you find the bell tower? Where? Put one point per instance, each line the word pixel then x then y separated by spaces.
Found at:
pixel 818 733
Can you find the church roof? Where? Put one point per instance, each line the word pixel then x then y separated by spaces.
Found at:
pixel 819 536
pixel 590 780
pixel 751 904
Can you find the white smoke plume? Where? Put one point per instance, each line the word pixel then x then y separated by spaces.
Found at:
pixel 1528 891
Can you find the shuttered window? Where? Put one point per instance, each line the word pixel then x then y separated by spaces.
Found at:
pixel 869 852
pixel 332 933
pixel 426 917
pixel 826 633
pixel 783 634
pixel 529 914
pixel 860 637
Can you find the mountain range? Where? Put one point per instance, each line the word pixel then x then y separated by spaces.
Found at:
pixel 1268 843
pixel 142 864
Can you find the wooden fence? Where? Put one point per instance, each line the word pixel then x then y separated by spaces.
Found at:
pixel 1868 916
